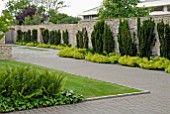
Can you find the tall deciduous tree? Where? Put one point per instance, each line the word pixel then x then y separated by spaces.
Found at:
pixel 5 21
pixel 61 18
pixel 121 8
pixel 16 7
pixel 49 4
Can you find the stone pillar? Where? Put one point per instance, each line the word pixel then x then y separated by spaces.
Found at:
pixel 40 39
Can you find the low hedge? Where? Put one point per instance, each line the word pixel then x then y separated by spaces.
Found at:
pixel 129 61
pixel 97 58
pixel 154 63
pixel 58 47
pixel 73 53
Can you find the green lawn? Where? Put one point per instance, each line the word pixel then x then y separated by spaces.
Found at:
pixel 83 85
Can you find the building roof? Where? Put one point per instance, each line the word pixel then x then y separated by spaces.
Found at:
pixel 146 4
pixel 154 3
pixel 159 13
pixel 92 11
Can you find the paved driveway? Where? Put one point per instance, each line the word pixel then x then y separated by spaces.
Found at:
pixel 158 82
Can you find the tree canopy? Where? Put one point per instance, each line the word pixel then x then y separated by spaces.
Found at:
pixel 34 12
pixel 61 18
pixel 5 21
pixel 121 8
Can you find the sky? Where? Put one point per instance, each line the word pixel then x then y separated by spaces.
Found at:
pixel 75 6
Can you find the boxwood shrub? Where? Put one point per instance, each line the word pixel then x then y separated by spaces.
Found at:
pixel 97 58
pixel 73 53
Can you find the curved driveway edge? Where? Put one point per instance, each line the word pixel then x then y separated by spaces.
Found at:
pixel 157 82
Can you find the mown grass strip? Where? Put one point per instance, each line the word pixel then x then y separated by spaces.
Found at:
pixel 83 85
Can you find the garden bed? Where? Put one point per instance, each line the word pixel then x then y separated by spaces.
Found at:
pixel 74 89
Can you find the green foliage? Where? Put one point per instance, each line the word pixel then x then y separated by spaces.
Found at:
pixel 45 36
pixel 24 88
pixel 34 20
pixel 43 45
pixel 19 35
pixel 126 44
pixel 164 39
pixel 82 38
pixel 66 37
pixel 128 61
pixel 69 20
pixel 1 35
pixel 15 7
pixel 55 37
pixel 58 37
pixel 58 47
pixel 97 58
pixel 72 53
pixel 86 39
pixel 97 37
pixel 121 8
pixel 86 54
pixel 146 37
pixel 31 44
pixel 16 104
pixel 156 63
pixel 52 37
pixel 27 20
pixel 61 18
pixel 34 35
pixel 20 43
pixel 26 36
pixel 79 39
pixel 108 40
pixel 102 38
pixel 25 82
pixel 167 69
pixel 114 57
pixel 5 21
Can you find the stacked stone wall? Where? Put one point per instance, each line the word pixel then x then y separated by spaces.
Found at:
pixel 5 52
pixel 113 23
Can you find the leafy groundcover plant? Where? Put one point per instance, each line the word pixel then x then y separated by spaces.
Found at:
pixel 24 88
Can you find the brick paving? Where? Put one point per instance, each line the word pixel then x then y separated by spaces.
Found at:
pixel 158 82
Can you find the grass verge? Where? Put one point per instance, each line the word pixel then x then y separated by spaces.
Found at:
pixel 83 85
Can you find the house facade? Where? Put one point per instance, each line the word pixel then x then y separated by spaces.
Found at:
pixel 160 7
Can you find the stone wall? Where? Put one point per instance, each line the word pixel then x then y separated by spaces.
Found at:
pixel 113 23
pixel 5 52
pixel 72 29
